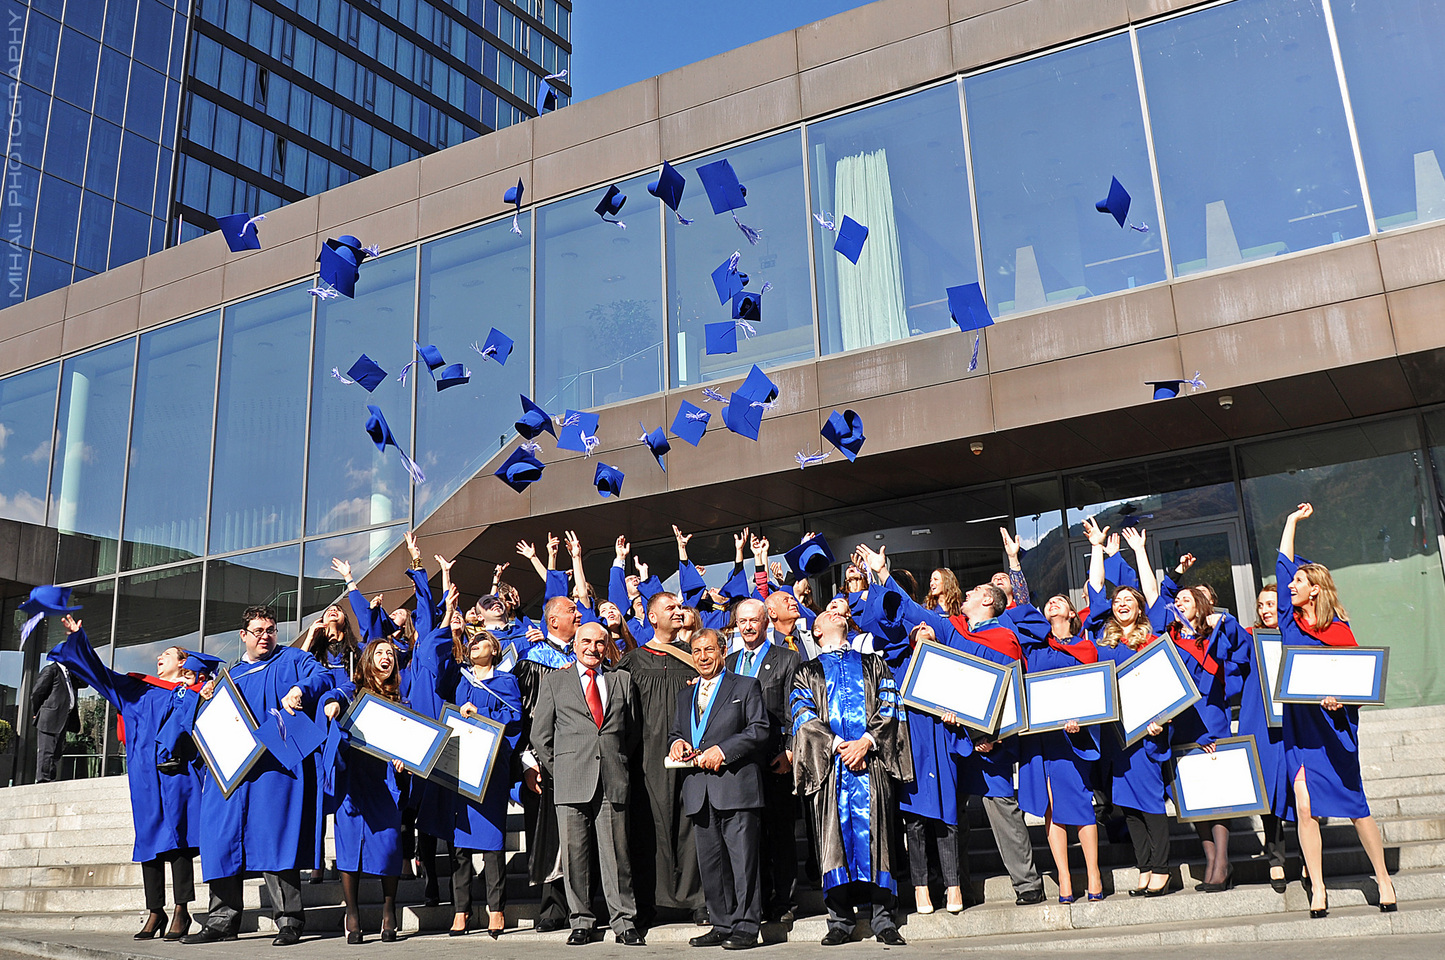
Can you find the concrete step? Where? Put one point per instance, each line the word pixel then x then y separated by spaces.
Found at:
pixel 1401 716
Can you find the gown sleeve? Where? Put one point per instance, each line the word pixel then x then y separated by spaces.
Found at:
pixel 426 615
pixel 79 657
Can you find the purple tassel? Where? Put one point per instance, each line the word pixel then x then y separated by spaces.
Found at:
pixel 973 361
pixel 753 235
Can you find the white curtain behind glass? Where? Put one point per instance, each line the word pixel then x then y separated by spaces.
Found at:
pixel 871 308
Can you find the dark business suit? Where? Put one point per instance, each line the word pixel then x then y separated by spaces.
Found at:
pixel 726 805
pixel 588 769
pixel 780 858
pixel 55 698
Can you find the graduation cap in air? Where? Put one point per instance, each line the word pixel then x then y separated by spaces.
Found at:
pixel 380 432
pixel 668 188
pixel 611 203
pixel 1116 204
pixel 744 413
pixel 727 280
pixel 608 480
pixel 657 444
pixel 430 356
pixel 366 372
pixel 579 431
pixel 533 421
pixel 46 600
pixel 453 376
pixel 758 388
pixel 968 308
pixel 521 470
pixel 199 663
pixel 1169 389
pixel 845 431
pixel 339 269
pixel 726 193
pixel 809 558
pixel 748 306
pixel 721 337
pixel 851 235
pixel 498 347
pixel 348 242
pixel 547 94
pixel 239 229
pixel 291 737
pixel 690 424
pixel 514 197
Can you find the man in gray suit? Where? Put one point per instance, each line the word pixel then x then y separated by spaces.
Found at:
pixel 584 729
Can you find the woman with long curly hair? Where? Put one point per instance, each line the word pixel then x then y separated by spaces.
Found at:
pixel 944 593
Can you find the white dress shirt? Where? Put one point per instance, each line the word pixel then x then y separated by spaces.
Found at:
pixel 601 683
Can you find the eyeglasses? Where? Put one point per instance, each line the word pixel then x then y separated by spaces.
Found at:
pixel 262 632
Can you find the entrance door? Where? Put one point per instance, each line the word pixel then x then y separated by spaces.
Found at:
pixel 1221 560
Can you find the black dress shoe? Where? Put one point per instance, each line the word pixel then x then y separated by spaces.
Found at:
pixel 290 936
pixel 631 938
pixel 549 926
pixel 208 935
pixel 388 935
pixel 353 936
pixel 740 942
pixel 701 918
pixel 1024 899
pixel 891 937
pixel 834 938
pixel 579 938
pixel 712 938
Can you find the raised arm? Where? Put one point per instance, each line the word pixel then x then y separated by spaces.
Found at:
pixel 1286 539
pixel 1148 583
pixel 1016 577
pixel 1097 535
pixel 579 579
pixel 528 552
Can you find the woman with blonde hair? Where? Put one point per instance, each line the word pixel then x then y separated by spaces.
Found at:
pixel 1322 742
pixel 944 593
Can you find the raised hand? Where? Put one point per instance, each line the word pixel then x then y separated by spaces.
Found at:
pixel 411 546
pixel 342 567
pixel 70 624
pixel 497 576
pixel 775 570
pixel 1111 546
pixel 552 544
pixel 1094 532
pixel 1185 562
pixel 376 601
pixel 526 550
pixel 1134 537
pixel 1303 511
pixel 623 548
pixel 682 539
pixel 574 545
pixel 445 564
pixel 642 568
pixel 740 542
pixel 1010 544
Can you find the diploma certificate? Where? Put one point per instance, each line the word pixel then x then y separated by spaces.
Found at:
pixel 1012 717
pixel 1219 785
pixel 1353 675
pixel 225 734
pixel 390 731
pixel 1154 687
pixel 1085 693
pixel 941 680
pixel 469 754
pixel 1268 657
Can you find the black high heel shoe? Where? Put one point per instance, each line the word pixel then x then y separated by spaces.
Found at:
pixel 354 936
pixel 1321 913
pixel 1279 884
pixel 152 927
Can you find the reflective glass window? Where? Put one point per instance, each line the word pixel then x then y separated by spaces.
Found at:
pixel 85 16
pixel 100 171
pixel 897 168
pixel 1039 527
pixel 111 86
pixel 94 245
pixel 154 611
pixel 83 750
pixel 1249 133
pixel 65 144
pixel 17 208
pixel 89 468
pixel 488 265
pixel 261 421
pixel 42 36
pixel 47 274
pixel 137 178
pixel 266 577
pixel 772 170
pixel 27 418
pixel 599 301
pixel 349 482
pixel 58 218
pixel 1395 69
pixel 170 445
pixel 1165 490
pixel 153 33
pixel 28 142
pixel 1047 136
pixel 146 102
pixel 320 586
pixel 76 83
pixel 130 235
pixel 120 23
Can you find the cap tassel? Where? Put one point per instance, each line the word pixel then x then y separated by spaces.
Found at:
pixel 335 372
pixel 401 377
pixel 532 447
pixel 973 361
pixel 827 222
pixel 29 628
pixel 515 227
pixel 324 293
pixel 589 443
pixel 412 467
pixel 373 250
pixel 764 404
pixel 753 235
pixel 280 723
pixel 1141 227
pixel 620 224
pixel 488 353
pixel 251 224
pixel 749 331
pixel 708 393
pixel 806 459
pixel 566 421
pixel 1195 383
pixel 681 219
pixel 702 416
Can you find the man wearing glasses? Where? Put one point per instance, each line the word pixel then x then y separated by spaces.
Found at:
pixel 260 827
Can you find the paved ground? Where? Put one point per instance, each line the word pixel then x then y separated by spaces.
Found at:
pixel 526 947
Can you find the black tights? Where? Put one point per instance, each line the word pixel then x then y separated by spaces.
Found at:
pixel 351 892
pixel 1214 835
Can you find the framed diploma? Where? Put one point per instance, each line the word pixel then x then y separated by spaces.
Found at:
pixel 1013 718
pixel 941 679
pixel 469 754
pixel 1086 693
pixel 225 734
pixel 1354 675
pixel 1219 785
pixel 1154 687
pixel 1268 655
pixel 392 732
pixel 508 660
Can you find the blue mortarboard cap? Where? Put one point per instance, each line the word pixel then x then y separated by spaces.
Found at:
pixel 845 431
pixel 748 306
pixel 339 269
pixel 690 424
pixel 351 243
pixel 611 203
pixel 728 281
pixel 533 421
pixel 199 663
pixel 757 386
pixel 48 599
pixel 498 346
pixel 239 229
pixel 378 429
pixel 968 308
pixel 741 417
pixel 608 480
pixel 668 186
pixel 431 356
pixel 851 235
pixel 521 470
pixel 722 186
pixel 722 337
pixel 656 441
pixel 546 98
pixel 291 737
pixel 1166 389
pixel 576 424
pixel 514 194
pixel 453 376
pixel 1117 203
pixel 367 372
pixel 809 557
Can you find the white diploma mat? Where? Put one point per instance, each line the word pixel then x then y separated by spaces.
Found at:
pixel 1147 691
pixel 1331 675
pixel 955 684
pixel 672 764
pixel 1061 699
pixel 394 732
pixel 467 752
pixel 1213 781
pixel 223 728
pixel 1008 714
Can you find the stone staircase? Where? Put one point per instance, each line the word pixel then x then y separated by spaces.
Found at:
pixel 65 870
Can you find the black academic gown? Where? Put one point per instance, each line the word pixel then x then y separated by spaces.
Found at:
pixel 664 856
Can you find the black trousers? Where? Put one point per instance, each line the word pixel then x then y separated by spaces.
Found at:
pixel 728 851
pixel 183 880
pixel 923 833
pixel 494 875
pixel 228 901
pixel 779 861
pixel 869 898
pixel 47 754
pixel 1149 832
pixel 1274 847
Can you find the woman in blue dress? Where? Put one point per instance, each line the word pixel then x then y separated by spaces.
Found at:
pixel 1254 720
pixel 368 799
pixel 1322 743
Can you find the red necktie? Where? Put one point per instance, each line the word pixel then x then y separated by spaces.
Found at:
pixel 594 699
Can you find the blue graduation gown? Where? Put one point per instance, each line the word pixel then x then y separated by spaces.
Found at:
pixel 1134 775
pixel 166 809
pixel 433 680
pixel 1244 679
pixel 1062 762
pixel 1325 743
pixel 368 811
pixel 483 826
pixel 262 826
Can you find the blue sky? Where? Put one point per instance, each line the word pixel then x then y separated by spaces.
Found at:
pixel 617 42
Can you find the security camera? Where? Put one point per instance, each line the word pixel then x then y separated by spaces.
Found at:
pixel 1226 401
pixel 976 447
